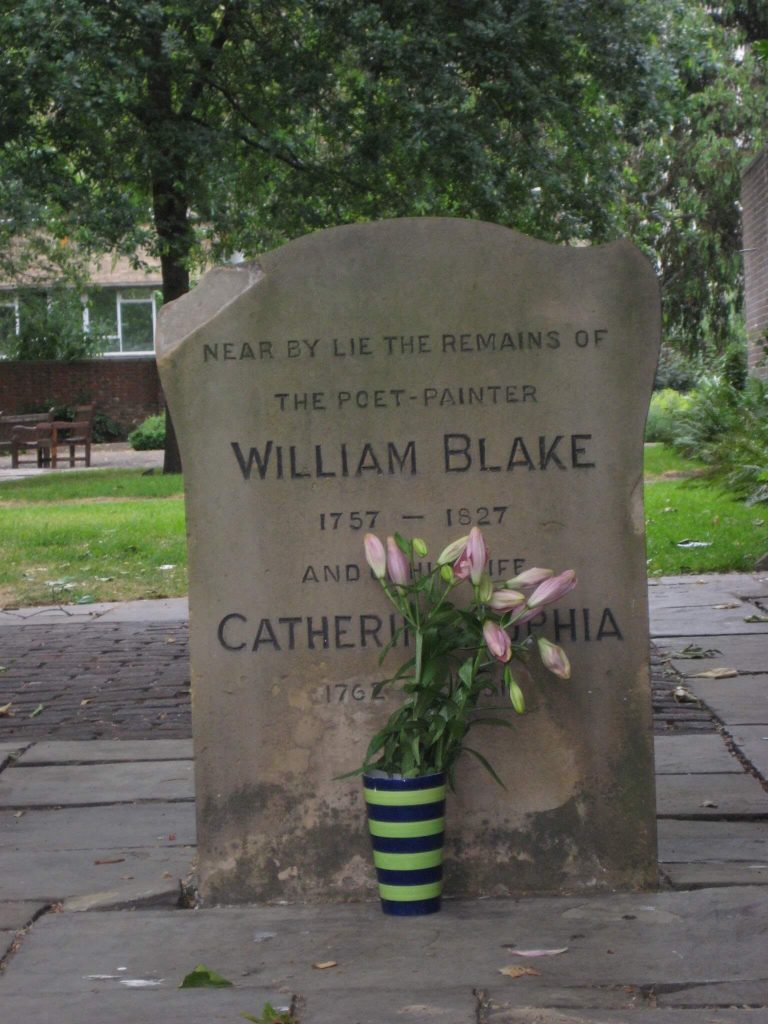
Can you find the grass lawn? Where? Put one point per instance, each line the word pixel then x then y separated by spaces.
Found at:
pixel 103 535
pixel 114 535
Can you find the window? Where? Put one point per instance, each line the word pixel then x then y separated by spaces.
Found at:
pixel 125 316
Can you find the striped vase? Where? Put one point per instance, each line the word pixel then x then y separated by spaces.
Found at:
pixel 406 820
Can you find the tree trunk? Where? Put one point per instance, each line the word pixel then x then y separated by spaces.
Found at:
pixel 170 205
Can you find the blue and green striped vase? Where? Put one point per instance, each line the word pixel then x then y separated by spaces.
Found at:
pixel 406 818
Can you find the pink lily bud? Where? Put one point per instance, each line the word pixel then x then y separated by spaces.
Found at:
pixel 506 600
pixel 375 555
pixel 554 658
pixel 397 564
pixel 530 578
pixel 553 589
pixel 462 566
pixel 497 641
pixel 452 552
pixel 477 553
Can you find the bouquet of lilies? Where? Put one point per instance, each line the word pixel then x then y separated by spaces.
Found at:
pixel 459 651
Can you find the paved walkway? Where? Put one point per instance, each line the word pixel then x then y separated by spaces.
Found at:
pixel 97 813
pixel 118 455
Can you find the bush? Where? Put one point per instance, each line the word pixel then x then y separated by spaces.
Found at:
pixel 149 435
pixel 667 408
pixel 727 429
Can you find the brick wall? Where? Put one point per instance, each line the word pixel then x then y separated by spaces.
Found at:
pixel 126 389
pixel 754 201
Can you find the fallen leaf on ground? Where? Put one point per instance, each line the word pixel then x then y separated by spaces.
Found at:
pixel 38 711
pixel 6 710
pixel 694 651
pixel 19 814
pixel 733 604
pixel 717 673
pixel 204 977
pixel 538 952
pixel 708 803
pixel 756 618
pixel 88 700
pixel 325 964
pixel 515 971
pixel 111 860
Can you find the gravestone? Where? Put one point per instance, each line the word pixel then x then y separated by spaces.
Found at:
pixel 421 376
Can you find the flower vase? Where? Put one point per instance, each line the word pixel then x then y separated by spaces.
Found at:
pixel 406 818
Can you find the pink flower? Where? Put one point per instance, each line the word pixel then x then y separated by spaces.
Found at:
pixel 477 553
pixel 506 600
pixel 497 641
pixel 397 564
pixel 530 578
pixel 375 555
pixel 553 589
pixel 554 658
pixel 462 566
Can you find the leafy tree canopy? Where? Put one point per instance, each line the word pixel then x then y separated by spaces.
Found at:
pixel 195 128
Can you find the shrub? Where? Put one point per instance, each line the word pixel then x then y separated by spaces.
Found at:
pixel 149 435
pixel 727 429
pixel 667 407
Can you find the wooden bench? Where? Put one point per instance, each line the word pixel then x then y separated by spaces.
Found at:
pixel 26 421
pixel 47 435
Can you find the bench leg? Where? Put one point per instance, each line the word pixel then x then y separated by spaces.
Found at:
pixel 72 455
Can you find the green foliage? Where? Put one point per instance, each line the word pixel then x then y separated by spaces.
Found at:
pixel 51 327
pixel 664 415
pixel 676 370
pixel 583 121
pixel 727 429
pixel 149 435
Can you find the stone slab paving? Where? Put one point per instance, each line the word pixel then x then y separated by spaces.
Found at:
pixel 703 876
pixel 50 786
pixel 17 914
pixel 105 751
pixel 112 876
pixel 752 741
pixel 497 1014
pixel 121 827
pixel 707 621
pixel 702 754
pixel 736 584
pixel 747 654
pixel 697 949
pixel 742 700
pixel 712 842
pixel 710 796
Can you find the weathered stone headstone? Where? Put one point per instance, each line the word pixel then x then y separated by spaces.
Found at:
pixel 419 376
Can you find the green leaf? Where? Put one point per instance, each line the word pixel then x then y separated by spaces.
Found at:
pixel 486 764
pixel 467 671
pixel 204 977
pixel 403 544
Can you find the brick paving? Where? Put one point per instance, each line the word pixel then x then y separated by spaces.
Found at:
pixel 97 680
